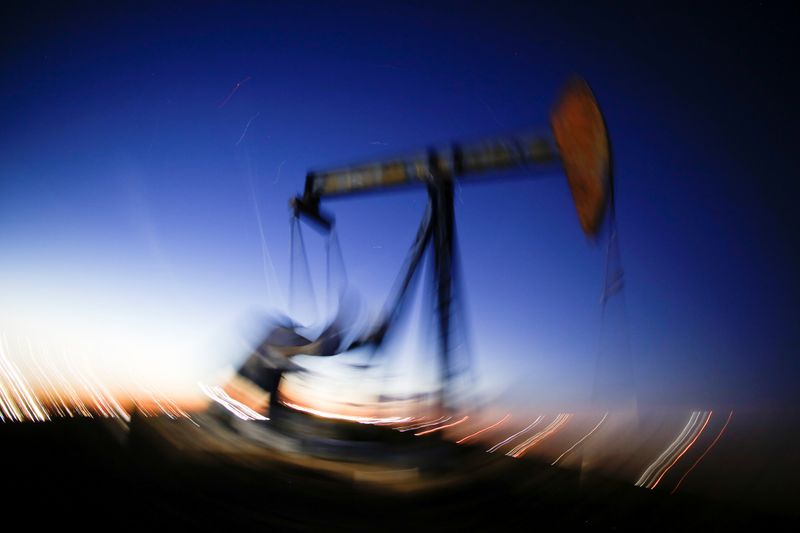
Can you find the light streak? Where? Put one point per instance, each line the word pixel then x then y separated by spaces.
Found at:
pixel 246 127
pixel 54 399
pixel 266 257
pixel 651 477
pixel 236 407
pixel 569 450
pixel 351 418
pixel 164 404
pixel 21 395
pixel 142 408
pixel 161 406
pixel 420 425
pixel 40 391
pixel 278 173
pixel 686 449
pixel 553 427
pixel 233 91
pixel 116 409
pixel 713 443
pixel 678 445
pixel 441 427
pixel 68 388
pixel 101 405
pixel 667 452
pixel 180 412
pixel 8 406
pixel 484 429
pixel 515 435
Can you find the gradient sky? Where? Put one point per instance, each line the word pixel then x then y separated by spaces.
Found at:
pixel 129 168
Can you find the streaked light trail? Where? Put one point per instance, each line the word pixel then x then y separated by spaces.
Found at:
pixel 713 443
pixel 515 435
pixel 236 407
pixel 681 454
pixel 653 475
pixel 42 391
pixel 413 427
pixel 571 448
pixel 441 427
pixel 350 418
pixel 18 401
pixel 484 429
pixel 551 428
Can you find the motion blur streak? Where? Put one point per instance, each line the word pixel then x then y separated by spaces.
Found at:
pixel 351 418
pixel 696 436
pixel 53 400
pixel 42 391
pixel 570 449
pixel 237 408
pixel 687 437
pixel 484 429
pixel 553 427
pixel 164 405
pixel 72 395
pixel 102 404
pixel 441 427
pixel 678 450
pixel 515 435
pixel 662 459
pixel 117 408
pixel 17 399
pixel 413 427
pixel 713 443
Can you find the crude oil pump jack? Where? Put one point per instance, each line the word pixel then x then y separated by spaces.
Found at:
pixel 578 140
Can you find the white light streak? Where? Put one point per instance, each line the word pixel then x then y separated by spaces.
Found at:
pixel 515 435
pixel 551 428
pixel 351 418
pixel 571 448
pixel 651 477
pixel 236 407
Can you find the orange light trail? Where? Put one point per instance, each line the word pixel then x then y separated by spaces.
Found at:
pixel 686 449
pixel 414 427
pixel 441 427
pixel 713 443
pixel 484 429
pixel 691 431
pixel 515 435
pixel 350 418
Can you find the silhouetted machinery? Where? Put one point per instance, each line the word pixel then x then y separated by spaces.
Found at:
pixel 577 140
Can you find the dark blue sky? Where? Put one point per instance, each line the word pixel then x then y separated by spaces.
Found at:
pixel 127 169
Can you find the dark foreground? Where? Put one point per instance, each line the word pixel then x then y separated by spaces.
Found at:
pixel 89 472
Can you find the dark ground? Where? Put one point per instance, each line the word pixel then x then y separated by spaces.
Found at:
pixel 89 472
